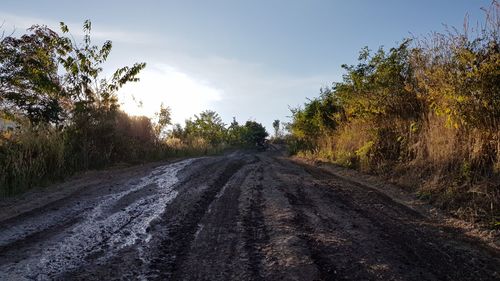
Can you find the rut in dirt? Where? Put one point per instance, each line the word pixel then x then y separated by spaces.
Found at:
pixel 385 240
pixel 255 233
pixel 180 234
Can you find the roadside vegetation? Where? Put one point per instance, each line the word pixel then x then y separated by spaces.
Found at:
pixel 64 116
pixel 425 113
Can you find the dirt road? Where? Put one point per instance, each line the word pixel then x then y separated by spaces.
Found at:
pixel 241 216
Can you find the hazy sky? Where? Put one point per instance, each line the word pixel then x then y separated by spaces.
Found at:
pixel 249 59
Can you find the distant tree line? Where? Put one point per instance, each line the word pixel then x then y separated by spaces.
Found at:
pixel 207 130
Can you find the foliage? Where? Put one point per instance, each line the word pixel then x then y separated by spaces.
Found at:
pixel 276 127
pixel 68 116
pixel 208 127
pixel 460 78
pixel 31 157
pixel 319 116
pixel 94 133
pixel 235 133
pixel 429 108
pixel 380 86
pixel 164 119
pixel 83 65
pixel 254 133
pixel 29 81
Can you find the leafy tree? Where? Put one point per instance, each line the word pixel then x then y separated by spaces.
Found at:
pixel 83 65
pixel 207 125
pixel 164 119
pixel 276 127
pixel 388 107
pixel 254 133
pixel 93 133
pixel 380 86
pixel 235 133
pixel 319 116
pixel 29 82
pixel 47 79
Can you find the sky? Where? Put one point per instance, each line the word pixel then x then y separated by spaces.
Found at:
pixel 252 60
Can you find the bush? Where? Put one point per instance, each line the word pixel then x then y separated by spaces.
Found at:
pixel 426 111
pixel 31 156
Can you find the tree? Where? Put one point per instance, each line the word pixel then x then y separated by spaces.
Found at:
pixel 255 133
pixel 164 119
pixel 31 86
pixel 94 107
pixel 83 67
pixel 235 133
pixel 29 82
pixel 276 126
pixel 207 125
pixel 380 86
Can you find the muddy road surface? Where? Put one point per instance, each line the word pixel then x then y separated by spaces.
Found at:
pixel 241 216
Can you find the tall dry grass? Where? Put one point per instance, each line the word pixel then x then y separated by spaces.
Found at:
pixel 31 157
pixel 456 169
pixel 36 156
pixel 193 147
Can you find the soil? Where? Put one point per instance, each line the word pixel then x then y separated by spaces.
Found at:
pixel 239 216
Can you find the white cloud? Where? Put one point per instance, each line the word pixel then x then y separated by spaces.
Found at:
pixel 250 90
pixel 161 83
pixel 233 88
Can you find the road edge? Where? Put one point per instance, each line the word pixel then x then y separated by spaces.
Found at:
pixel 489 237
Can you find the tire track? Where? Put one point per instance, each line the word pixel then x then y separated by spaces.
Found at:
pixel 174 249
pixel 218 236
pixel 379 231
pixel 318 252
pixel 255 233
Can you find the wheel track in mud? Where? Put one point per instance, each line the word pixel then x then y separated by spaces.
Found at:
pixel 422 247
pixel 180 235
pixel 325 266
pixel 255 232
pixel 411 239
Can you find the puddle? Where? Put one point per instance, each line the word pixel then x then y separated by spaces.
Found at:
pixel 99 232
